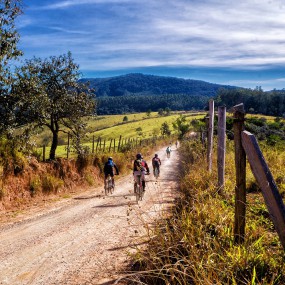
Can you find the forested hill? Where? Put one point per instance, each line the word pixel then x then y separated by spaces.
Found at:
pixel 141 84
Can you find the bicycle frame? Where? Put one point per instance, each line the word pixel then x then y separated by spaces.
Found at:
pixel 138 189
pixel 156 172
pixel 109 187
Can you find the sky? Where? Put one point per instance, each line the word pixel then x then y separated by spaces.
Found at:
pixel 240 43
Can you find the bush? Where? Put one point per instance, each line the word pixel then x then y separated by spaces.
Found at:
pixel 51 184
pixel 35 185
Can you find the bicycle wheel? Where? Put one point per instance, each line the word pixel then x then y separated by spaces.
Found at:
pixel 156 174
pixel 141 192
pixel 137 192
pixel 112 188
pixel 106 187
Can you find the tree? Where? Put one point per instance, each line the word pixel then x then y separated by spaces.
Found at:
pixel 167 111
pixel 148 113
pixel 165 130
pixel 160 112
pixel 9 37
pixel 50 95
pixel 182 126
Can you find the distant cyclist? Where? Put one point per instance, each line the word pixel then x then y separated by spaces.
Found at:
pixel 156 163
pixel 140 168
pixel 168 151
pixel 109 167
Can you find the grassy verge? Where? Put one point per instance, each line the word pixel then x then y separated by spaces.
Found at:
pixel 196 245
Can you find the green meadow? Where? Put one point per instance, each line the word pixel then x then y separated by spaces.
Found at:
pixel 111 127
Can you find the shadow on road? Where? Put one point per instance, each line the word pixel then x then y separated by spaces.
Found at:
pixel 88 197
pixel 128 203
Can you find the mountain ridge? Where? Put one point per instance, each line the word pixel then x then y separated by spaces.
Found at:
pixel 146 84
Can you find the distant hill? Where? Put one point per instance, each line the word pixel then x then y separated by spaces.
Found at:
pixel 141 84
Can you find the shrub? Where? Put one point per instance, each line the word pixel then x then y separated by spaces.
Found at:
pixel 89 178
pixel 35 185
pixel 2 193
pixel 51 184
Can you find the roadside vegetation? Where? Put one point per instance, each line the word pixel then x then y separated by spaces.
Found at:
pixel 196 244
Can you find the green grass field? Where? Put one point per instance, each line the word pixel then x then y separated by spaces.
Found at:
pixel 139 126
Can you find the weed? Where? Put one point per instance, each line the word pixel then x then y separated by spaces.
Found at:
pixel 51 184
pixel 2 193
pixel 89 178
pixel 35 185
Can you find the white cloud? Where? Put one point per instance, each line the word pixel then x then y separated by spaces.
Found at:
pixel 114 34
pixel 71 3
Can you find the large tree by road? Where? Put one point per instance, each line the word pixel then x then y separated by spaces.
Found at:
pixel 50 95
pixel 9 37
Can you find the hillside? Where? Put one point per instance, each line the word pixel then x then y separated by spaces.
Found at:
pixel 141 84
pixel 123 94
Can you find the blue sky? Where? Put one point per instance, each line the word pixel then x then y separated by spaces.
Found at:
pixel 239 43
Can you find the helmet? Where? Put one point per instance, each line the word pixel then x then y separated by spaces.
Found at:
pixel 139 156
pixel 156 155
pixel 110 158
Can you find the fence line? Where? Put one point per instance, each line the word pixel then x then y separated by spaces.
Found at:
pixel 246 146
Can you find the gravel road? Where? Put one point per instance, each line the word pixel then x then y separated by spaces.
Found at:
pixel 87 239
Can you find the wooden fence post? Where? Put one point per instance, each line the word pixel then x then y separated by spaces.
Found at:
pixel 104 144
pixel 44 153
pixel 67 150
pixel 119 143
pixel 264 178
pixel 97 144
pixel 240 164
pixel 110 145
pixel 114 145
pixel 93 143
pixel 221 147
pixel 210 135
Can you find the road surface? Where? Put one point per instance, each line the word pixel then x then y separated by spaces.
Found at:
pixel 87 239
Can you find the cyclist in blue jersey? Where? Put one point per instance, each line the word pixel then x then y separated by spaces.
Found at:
pixel 109 167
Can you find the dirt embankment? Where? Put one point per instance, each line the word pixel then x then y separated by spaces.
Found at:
pixel 86 239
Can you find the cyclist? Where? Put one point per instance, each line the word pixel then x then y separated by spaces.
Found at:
pixel 109 170
pixel 156 163
pixel 168 151
pixel 140 168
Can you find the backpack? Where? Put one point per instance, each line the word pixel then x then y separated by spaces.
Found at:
pixel 139 165
pixel 168 149
pixel 108 168
pixel 155 161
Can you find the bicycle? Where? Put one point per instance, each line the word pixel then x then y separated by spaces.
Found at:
pixel 109 186
pixel 138 188
pixel 156 172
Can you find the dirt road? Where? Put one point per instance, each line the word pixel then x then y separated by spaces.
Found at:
pixel 86 240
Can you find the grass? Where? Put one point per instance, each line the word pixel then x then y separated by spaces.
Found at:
pixel 139 126
pixel 196 245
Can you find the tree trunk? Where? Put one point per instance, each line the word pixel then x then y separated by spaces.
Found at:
pixel 53 145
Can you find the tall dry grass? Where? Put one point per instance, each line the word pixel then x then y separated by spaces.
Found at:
pixel 196 245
